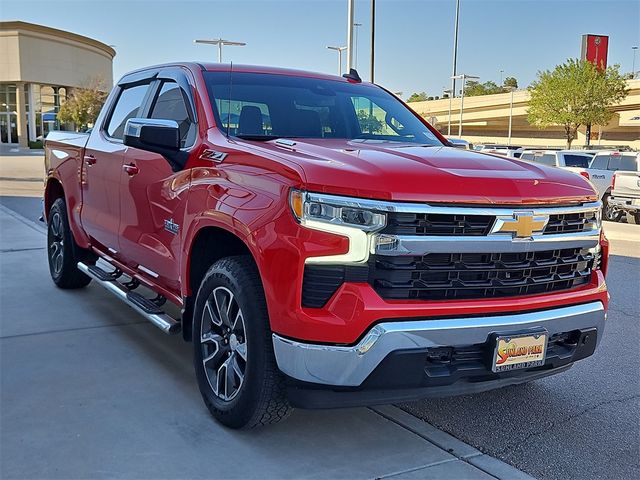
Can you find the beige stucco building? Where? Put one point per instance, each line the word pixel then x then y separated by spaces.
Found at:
pixel 486 119
pixel 39 67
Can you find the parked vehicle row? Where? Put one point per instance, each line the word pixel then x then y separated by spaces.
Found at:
pixel 599 166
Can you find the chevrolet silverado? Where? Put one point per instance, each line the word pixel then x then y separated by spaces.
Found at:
pixel 320 243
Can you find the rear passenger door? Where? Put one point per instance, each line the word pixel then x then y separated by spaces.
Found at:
pixel 153 196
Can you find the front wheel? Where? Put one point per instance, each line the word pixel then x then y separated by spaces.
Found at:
pixel 609 212
pixel 233 352
pixel 62 251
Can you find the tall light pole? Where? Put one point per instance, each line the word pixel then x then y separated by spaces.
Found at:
pixel 464 77
pixel 448 92
pixel 350 13
pixel 373 36
pixel 455 54
pixel 512 89
pixel 355 44
pixel 220 43
pixel 339 50
pixel 501 73
pixel 633 68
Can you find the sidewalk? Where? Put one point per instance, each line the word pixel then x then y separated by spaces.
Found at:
pixel 91 390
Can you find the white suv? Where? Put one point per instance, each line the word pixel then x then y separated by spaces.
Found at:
pixel 573 159
pixel 601 170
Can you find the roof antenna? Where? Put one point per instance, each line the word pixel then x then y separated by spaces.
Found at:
pixel 353 76
pixel 229 99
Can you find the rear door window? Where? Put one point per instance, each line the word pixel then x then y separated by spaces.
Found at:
pixel 128 106
pixel 571 160
pixel 546 159
pixel 600 162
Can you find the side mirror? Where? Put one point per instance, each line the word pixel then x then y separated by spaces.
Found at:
pixel 156 135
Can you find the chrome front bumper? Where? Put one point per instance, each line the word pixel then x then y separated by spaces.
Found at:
pixel 351 365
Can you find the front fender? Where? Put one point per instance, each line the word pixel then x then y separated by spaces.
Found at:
pixel 237 200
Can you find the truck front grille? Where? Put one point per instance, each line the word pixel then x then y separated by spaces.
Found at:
pixel 570 222
pixel 439 276
pixel 438 224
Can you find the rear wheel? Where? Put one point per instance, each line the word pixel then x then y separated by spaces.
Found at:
pixel 633 218
pixel 62 251
pixel 233 351
pixel 609 212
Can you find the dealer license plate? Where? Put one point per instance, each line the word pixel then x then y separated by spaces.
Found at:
pixel 519 351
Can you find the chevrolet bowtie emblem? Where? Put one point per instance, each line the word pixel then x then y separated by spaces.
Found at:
pixel 522 225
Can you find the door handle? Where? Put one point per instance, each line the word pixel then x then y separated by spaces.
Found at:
pixel 89 160
pixel 131 169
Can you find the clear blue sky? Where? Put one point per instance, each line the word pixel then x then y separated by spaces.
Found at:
pixel 414 38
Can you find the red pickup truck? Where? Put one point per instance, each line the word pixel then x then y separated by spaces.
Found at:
pixel 320 244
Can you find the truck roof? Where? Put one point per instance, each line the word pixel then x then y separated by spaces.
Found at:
pixel 226 67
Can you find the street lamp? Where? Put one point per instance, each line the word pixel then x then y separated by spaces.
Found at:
pixel 455 56
pixel 511 89
pixel 373 36
pixel 350 10
pixel 633 68
pixel 448 92
pixel 464 77
pixel 355 46
pixel 339 50
pixel 220 43
pixel 501 73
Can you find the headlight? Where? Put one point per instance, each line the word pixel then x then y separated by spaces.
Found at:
pixel 344 216
pixel 334 210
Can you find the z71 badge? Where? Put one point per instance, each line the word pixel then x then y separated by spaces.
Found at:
pixel 171 226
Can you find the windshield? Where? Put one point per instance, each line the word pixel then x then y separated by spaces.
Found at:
pixel 263 106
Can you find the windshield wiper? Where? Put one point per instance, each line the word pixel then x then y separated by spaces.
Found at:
pixel 257 138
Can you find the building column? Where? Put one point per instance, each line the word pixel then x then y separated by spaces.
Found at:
pixel 32 113
pixel 22 115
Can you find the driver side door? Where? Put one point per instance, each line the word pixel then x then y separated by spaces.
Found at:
pixel 153 196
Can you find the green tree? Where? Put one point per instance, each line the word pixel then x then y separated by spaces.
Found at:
pixel 575 93
pixel 474 89
pixel 83 105
pixel 510 82
pixel 418 97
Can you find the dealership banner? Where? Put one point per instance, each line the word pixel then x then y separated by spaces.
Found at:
pixel 594 50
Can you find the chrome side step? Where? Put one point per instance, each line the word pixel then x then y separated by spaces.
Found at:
pixel 156 316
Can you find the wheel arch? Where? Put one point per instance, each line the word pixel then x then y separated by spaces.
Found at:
pixel 53 190
pixel 209 244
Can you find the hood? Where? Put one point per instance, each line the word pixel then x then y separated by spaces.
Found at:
pixel 409 172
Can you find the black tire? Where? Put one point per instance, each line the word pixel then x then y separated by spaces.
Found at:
pixel 633 218
pixel 62 250
pixel 232 286
pixel 609 212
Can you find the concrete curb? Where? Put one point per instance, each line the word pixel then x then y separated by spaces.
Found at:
pixel 490 465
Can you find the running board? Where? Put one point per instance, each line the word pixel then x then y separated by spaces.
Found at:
pixel 159 318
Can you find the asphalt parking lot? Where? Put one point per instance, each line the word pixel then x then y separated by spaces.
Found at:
pixel 91 390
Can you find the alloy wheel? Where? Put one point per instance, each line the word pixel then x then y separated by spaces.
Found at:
pixel 56 243
pixel 223 343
